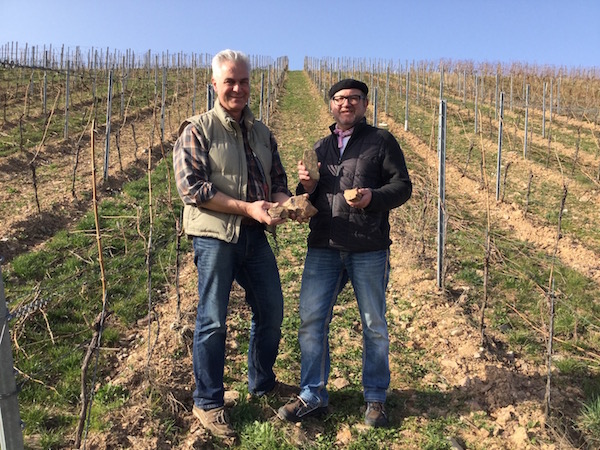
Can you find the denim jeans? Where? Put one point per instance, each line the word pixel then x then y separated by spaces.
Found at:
pixel 252 264
pixel 326 272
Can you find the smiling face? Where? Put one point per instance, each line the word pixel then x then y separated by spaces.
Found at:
pixel 232 85
pixel 346 114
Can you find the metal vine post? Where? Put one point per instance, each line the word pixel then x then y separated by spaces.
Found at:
pixel 441 195
pixel 499 159
pixel 11 435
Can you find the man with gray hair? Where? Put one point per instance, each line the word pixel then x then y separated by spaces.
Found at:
pixel 228 174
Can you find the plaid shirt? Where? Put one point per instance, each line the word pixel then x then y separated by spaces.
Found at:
pixel 192 170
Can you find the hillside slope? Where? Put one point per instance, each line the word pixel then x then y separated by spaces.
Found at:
pixel 444 386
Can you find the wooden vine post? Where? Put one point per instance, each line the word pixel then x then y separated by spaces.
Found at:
pixel 99 322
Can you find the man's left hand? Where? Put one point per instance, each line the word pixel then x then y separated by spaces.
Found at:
pixel 365 199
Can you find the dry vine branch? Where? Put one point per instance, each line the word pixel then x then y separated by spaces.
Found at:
pixel 576 155
pixel 95 209
pixel 39 147
pixel 136 147
pixel 48 326
pixel 504 181
pixel 468 159
pixel 527 197
pixel 30 378
pixel 595 357
pixel 149 255
pixel 26 103
pixel 162 150
pixel 85 399
pixel 180 233
pixel 35 187
pixel 76 163
pixel 550 298
pixel 32 166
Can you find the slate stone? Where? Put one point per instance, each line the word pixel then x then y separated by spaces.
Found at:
pixel 352 195
pixel 298 204
pixel 311 163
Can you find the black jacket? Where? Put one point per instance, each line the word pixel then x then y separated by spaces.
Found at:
pixel 372 159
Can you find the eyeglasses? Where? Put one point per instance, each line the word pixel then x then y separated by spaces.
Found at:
pixel 352 99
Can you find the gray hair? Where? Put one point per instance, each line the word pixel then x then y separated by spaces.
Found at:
pixel 228 56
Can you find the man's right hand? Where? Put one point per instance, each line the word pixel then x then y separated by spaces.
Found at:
pixel 258 211
pixel 307 182
pixel 255 210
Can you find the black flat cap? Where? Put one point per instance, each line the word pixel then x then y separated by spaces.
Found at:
pixel 348 83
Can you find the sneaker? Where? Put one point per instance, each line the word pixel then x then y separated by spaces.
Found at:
pixel 297 410
pixel 375 415
pixel 215 420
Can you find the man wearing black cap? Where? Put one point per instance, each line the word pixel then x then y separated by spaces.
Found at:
pixel 362 176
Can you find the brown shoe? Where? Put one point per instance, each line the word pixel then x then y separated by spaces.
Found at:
pixel 215 420
pixel 375 415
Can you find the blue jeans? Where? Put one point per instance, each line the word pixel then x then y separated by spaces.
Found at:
pixel 326 272
pixel 252 264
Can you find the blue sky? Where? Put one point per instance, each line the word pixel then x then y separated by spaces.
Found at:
pixel 540 32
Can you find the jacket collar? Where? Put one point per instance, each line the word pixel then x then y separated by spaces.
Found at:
pixel 229 122
pixel 357 126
